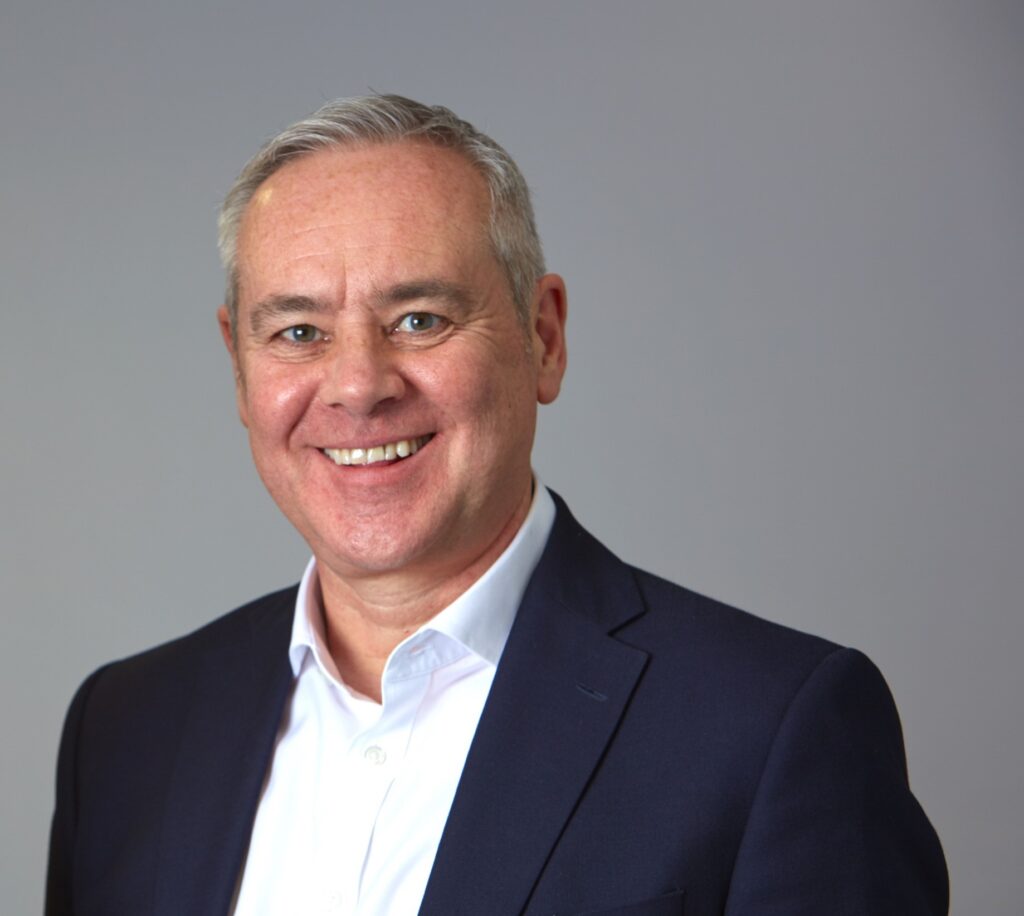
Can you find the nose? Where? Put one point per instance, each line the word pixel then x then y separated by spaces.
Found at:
pixel 361 372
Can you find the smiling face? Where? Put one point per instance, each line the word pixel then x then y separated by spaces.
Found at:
pixel 388 388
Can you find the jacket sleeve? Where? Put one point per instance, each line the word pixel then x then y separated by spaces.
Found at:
pixel 59 897
pixel 834 827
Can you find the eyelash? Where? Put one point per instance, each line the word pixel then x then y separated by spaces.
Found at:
pixel 317 334
pixel 438 322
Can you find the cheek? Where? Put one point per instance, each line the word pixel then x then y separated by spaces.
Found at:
pixel 492 398
pixel 465 388
pixel 276 402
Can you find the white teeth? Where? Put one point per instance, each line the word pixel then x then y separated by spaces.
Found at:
pixel 388 451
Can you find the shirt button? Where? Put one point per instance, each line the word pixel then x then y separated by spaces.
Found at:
pixel 375 755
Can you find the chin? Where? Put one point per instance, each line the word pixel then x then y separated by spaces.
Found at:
pixel 374 552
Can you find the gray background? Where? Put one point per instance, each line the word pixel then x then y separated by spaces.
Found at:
pixel 793 234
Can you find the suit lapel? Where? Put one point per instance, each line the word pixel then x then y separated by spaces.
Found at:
pixel 561 687
pixel 222 757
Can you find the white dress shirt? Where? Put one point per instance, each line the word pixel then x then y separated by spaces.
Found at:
pixel 358 793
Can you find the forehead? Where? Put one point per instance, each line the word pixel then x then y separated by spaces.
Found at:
pixel 369 191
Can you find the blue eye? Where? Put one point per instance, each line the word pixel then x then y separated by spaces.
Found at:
pixel 301 334
pixel 417 322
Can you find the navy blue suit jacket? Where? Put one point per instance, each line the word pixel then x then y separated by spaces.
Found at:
pixel 644 751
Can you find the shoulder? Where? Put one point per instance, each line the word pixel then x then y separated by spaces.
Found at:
pixel 717 635
pixel 153 683
pixel 732 665
pixel 706 662
pixel 261 618
pixel 686 633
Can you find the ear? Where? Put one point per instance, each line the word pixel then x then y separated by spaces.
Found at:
pixel 228 336
pixel 548 334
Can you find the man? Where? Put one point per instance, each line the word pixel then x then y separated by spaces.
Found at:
pixel 467 705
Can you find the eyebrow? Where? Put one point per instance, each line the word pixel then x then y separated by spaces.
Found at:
pixel 268 310
pixel 452 293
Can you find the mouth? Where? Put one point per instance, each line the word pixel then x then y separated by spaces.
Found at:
pixel 373 454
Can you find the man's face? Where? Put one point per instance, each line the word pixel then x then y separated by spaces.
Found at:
pixel 374 321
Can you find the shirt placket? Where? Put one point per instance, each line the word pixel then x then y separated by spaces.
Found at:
pixel 367 771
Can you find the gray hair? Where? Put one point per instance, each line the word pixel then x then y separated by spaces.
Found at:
pixel 385 119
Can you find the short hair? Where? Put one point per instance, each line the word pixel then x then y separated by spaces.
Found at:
pixel 373 119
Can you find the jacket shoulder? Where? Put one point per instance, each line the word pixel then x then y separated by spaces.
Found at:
pixel 129 694
pixel 719 627
pixel 691 639
pixel 264 616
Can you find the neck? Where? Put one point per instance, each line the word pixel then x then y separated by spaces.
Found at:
pixel 365 619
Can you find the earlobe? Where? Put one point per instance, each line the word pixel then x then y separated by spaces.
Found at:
pixel 549 336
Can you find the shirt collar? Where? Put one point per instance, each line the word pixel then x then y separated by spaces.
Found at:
pixel 480 619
